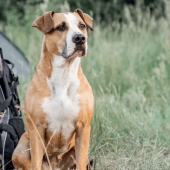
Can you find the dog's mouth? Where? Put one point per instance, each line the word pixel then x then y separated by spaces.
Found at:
pixel 80 49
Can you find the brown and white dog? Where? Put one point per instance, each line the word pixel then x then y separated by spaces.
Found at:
pixel 59 101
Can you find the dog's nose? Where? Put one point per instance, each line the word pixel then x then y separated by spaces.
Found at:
pixel 79 39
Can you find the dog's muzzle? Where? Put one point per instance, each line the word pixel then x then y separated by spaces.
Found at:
pixel 79 40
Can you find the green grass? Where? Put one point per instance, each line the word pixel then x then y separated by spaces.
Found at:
pixel 130 76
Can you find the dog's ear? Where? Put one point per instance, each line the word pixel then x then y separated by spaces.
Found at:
pixel 45 22
pixel 86 18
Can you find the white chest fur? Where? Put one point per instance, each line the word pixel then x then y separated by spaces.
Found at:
pixel 62 106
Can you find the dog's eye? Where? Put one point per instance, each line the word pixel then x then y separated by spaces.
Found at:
pixel 82 26
pixel 61 27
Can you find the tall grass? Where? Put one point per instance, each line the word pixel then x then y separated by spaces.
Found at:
pixel 129 71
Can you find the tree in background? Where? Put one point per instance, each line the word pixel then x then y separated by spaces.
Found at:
pixel 103 11
pixel 17 7
pixel 106 11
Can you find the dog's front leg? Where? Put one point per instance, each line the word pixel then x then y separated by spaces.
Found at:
pixel 82 145
pixel 36 138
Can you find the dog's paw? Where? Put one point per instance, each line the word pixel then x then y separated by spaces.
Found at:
pixel 90 165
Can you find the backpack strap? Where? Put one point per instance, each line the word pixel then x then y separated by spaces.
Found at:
pixel 8 128
pixel 9 84
pixel 5 104
pixel 14 84
pixel 1 63
pixel 9 62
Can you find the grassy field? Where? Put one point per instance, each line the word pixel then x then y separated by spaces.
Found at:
pixel 129 71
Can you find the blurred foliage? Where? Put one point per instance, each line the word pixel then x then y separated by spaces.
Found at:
pixel 107 11
pixel 15 8
pixel 103 11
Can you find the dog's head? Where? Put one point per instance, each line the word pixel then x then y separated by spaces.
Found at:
pixel 65 33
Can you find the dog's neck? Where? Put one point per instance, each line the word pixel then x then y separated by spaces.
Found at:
pixel 48 62
pixel 61 74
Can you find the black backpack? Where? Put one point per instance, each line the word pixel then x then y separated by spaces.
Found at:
pixel 11 123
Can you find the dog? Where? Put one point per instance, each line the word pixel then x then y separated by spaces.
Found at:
pixel 59 101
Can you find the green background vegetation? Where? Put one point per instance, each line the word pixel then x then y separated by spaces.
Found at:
pixel 128 67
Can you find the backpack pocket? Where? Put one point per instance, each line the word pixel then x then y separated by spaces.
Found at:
pixel 13 130
pixel 18 124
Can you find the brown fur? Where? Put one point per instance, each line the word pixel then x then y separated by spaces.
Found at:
pixel 38 137
pixel 86 18
pixel 45 22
